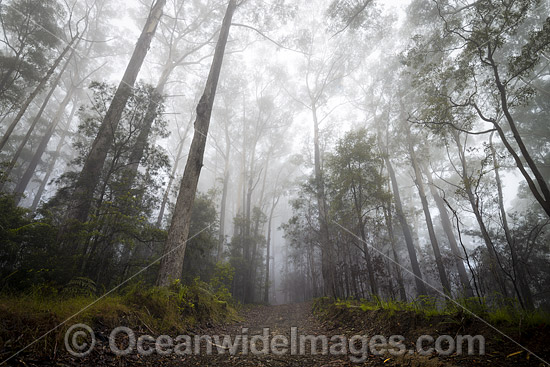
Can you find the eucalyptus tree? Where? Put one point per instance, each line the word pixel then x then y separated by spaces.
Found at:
pixel 74 37
pixel 31 29
pixel 381 105
pixel 495 49
pixel 419 183
pixel 519 278
pixel 82 70
pixel 187 21
pixel 113 233
pixel 354 173
pixel 172 261
pixel 82 196
pixel 324 65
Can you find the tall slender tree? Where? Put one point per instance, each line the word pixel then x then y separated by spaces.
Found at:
pixel 171 264
pixel 82 197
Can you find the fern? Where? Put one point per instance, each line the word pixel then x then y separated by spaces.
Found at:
pixel 80 286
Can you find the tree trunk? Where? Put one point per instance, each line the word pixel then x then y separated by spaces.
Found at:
pixel 172 261
pixel 223 209
pixel 35 93
pixel 172 176
pixel 494 264
pixel 370 270
pixel 136 154
pixel 268 244
pixel 448 228
pixel 37 157
pixel 327 258
pixel 429 223
pixel 53 160
pixel 37 118
pixel 397 265
pixel 82 197
pixel 524 293
pixel 420 287
pixel 542 196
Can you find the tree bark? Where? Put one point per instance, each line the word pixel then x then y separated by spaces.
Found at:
pixel 82 197
pixel 172 261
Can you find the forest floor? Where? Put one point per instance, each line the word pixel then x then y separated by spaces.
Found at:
pixel 280 321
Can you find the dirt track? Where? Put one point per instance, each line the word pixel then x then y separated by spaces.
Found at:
pixel 280 320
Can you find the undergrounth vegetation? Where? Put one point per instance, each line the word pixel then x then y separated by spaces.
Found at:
pixel 177 309
pixel 425 316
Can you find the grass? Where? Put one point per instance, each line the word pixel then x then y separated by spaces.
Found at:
pixel 179 308
pixel 507 312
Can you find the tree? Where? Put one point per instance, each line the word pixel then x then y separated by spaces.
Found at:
pixel 418 180
pixel 489 77
pixel 354 172
pixel 81 199
pixel 174 252
pixel 30 30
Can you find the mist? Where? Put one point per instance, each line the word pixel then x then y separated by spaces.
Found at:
pixel 276 152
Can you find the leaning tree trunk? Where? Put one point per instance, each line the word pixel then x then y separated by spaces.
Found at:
pixel 52 161
pixel 151 114
pixel 538 187
pixel 35 93
pixel 37 118
pixel 37 156
pixel 89 177
pixel 172 175
pixel 174 252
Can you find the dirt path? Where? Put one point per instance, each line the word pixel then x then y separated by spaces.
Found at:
pixel 279 320
pixel 284 324
pixel 283 327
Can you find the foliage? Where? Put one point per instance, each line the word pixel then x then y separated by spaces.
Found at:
pixel 200 253
pixel 31 30
pixel 29 251
pixel 120 234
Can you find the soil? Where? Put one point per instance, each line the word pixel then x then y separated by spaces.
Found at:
pixel 281 319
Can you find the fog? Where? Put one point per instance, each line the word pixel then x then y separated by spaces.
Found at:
pixel 343 148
